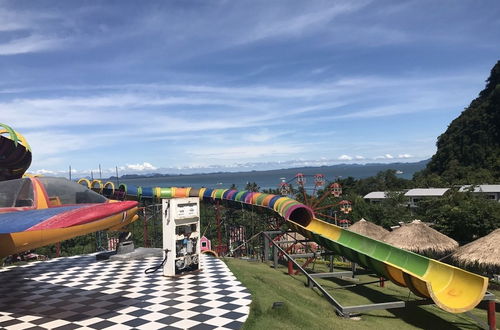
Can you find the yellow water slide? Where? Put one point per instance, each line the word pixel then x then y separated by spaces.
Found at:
pixel 453 289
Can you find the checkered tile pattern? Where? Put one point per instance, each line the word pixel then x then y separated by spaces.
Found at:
pixel 80 292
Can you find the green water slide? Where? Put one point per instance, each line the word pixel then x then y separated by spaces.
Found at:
pixel 453 289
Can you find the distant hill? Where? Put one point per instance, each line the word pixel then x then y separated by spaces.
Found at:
pixel 469 150
pixel 358 171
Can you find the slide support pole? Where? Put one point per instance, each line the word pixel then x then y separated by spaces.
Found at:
pixel 492 319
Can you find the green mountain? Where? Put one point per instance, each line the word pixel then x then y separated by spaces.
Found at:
pixel 469 150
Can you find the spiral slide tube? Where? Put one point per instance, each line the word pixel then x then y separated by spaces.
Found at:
pixel 452 289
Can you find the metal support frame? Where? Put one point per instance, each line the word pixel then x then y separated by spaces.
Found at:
pixel 151 220
pixel 327 275
pixel 295 241
pixel 304 255
pixel 265 250
pixel 346 311
pixel 492 318
pixel 275 254
pixel 277 248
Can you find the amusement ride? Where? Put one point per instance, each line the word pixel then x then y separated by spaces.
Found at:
pixel 40 211
pixel 322 197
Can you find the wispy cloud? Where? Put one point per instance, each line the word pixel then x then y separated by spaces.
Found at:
pixel 262 135
pixel 32 31
pixel 269 22
pixel 11 21
pixel 315 82
pixel 244 152
pixel 208 114
pixel 121 100
pixel 31 44
pixel 273 26
pixel 52 142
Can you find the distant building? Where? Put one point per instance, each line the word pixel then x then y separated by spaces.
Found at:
pixel 376 196
pixel 417 194
pixel 490 191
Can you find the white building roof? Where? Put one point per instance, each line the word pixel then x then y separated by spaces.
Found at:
pixel 482 188
pixel 376 194
pixel 426 192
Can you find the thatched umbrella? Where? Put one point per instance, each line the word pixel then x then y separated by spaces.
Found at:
pixel 482 254
pixel 369 229
pixel 420 238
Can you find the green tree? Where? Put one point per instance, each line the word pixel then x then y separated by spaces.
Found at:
pixel 469 151
pixel 252 186
pixel 462 216
pixel 383 181
pixel 387 213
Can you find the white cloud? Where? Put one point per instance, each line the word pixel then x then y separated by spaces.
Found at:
pixel 215 86
pixel 31 44
pixel 141 167
pixel 46 143
pixel 31 31
pixel 230 106
pixel 386 156
pixel 269 21
pixel 202 116
pixel 245 152
pixel 367 35
pixel 124 107
pixel 345 157
pixel 295 25
pixel 263 135
pixel 17 20
pixel 10 22
pixel 45 172
pixel 258 137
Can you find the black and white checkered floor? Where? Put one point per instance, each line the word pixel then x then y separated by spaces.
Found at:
pixel 80 292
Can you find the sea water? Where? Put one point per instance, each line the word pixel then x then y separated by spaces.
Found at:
pixel 272 179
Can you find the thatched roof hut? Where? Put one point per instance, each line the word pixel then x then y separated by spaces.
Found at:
pixel 482 254
pixel 369 229
pixel 420 238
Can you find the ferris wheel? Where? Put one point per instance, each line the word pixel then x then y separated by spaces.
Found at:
pixel 322 206
pixel 284 187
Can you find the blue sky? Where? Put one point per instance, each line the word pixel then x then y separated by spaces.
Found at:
pixel 190 86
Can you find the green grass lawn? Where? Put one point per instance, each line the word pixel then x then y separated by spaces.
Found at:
pixel 304 308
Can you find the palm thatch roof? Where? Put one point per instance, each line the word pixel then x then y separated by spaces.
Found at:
pixel 369 229
pixel 422 239
pixel 482 254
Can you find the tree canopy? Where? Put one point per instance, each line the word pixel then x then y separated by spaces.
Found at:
pixel 469 150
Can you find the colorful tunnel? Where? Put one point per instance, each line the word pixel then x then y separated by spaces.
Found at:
pixel 453 289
